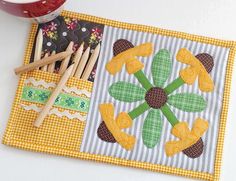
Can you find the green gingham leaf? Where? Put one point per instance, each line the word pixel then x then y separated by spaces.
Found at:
pixel 152 128
pixel 126 92
pixel 188 102
pixel 161 67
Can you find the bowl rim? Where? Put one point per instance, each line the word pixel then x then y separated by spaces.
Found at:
pixel 21 1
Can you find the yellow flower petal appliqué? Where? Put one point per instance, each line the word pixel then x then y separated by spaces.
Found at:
pixel 107 113
pixel 205 82
pixel 184 74
pixel 133 65
pixel 128 57
pixel 187 137
pixel 196 68
pixel 123 120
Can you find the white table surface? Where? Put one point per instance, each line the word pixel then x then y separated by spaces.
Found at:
pixel 204 17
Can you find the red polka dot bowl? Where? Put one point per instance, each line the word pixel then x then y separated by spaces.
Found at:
pixel 39 11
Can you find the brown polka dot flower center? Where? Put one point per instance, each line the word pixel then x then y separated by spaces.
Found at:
pixel 156 97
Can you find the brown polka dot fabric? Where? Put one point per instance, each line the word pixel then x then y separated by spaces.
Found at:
pixel 156 97
pixel 121 45
pixel 195 150
pixel 104 134
pixel 206 60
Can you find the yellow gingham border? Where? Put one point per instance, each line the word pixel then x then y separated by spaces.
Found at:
pixel 117 161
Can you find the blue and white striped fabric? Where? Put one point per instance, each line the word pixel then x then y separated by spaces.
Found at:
pixel 92 144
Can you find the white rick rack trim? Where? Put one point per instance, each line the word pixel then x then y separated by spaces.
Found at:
pixel 55 111
pixel 47 85
pixel 36 83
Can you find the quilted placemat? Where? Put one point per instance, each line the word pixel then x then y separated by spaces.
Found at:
pixel 156 99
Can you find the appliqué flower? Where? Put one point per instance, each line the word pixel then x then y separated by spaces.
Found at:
pixel 157 99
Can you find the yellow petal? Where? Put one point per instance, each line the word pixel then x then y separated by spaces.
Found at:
pixel 107 113
pixel 133 65
pixel 129 57
pixel 172 147
pixel 205 82
pixel 180 130
pixel 115 65
pixel 189 75
pixel 199 127
pixel 187 138
pixel 123 120
pixel 186 57
pixel 143 50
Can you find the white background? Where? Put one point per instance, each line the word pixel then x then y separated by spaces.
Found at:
pixel 214 18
